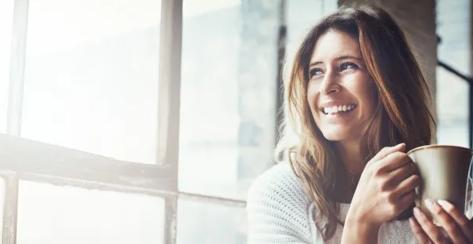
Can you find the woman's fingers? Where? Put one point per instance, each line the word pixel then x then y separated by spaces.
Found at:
pixel 420 235
pixel 446 221
pixel 388 150
pixel 455 227
pixel 394 161
pixel 400 174
pixel 407 185
pixel 433 232
pixel 465 225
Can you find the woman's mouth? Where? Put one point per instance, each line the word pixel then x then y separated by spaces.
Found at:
pixel 338 109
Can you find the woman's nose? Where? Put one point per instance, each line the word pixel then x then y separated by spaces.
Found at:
pixel 329 84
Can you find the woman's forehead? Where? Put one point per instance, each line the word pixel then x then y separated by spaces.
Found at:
pixel 334 45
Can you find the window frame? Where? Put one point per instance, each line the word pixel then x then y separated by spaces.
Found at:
pixel 23 159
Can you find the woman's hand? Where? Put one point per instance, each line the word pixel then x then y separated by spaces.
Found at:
pixel 385 189
pixel 454 226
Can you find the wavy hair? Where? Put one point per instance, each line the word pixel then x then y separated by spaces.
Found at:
pixel 401 110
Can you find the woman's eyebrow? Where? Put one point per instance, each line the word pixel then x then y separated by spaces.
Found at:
pixel 315 63
pixel 347 57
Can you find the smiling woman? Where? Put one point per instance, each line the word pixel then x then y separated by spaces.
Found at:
pixel 358 100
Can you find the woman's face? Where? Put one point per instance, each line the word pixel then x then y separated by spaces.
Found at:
pixel 341 94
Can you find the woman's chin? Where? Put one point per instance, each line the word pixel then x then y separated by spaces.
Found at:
pixel 336 136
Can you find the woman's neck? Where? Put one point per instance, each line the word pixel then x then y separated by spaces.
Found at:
pixel 350 156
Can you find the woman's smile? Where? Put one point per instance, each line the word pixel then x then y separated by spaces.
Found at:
pixel 338 109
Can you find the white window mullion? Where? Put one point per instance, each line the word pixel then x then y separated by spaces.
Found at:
pixel 15 100
pixel 170 225
pixel 10 209
pixel 169 104
pixel 169 81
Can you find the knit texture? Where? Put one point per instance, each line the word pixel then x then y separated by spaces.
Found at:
pixel 279 211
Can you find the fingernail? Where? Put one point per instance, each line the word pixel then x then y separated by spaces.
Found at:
pixel 412 222
pixel 445 204
pixel 417 212
pixel 429 204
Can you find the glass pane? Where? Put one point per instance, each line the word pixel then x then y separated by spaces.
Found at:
pixel 221 223
pixel 452 109
pixel 228 100
pixel 63 214
pixel 452 92
pixel 91 80
pixel 6 23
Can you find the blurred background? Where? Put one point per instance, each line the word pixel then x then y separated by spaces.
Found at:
pixel 146 121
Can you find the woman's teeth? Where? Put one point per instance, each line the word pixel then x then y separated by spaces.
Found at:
pixel 338 109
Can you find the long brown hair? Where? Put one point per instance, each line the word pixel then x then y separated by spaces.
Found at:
pixel 401 113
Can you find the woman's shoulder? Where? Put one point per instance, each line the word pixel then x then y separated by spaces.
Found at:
pixel 279 181
pixel 278 209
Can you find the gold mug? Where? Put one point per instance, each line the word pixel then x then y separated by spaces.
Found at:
pixel 444 172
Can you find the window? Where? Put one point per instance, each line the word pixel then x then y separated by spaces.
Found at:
pixel 80 97
pixel 452 92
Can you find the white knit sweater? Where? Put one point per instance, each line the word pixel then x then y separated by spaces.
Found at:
pixel 279 212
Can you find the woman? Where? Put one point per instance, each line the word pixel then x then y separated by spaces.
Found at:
pixel 358 102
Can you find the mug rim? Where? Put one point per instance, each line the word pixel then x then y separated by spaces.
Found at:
pixel 438 145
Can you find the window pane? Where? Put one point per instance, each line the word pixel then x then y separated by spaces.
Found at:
pixel 452 92
pixel 228 100
pixel 210 223
pixel 91 80
pixel 64 214
pixel 6 22
pixel 452 108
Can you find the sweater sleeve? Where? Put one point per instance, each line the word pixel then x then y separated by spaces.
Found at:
pixel 278 209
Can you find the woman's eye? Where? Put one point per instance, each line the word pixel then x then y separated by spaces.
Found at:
pixel 315 73
pixel 348 65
